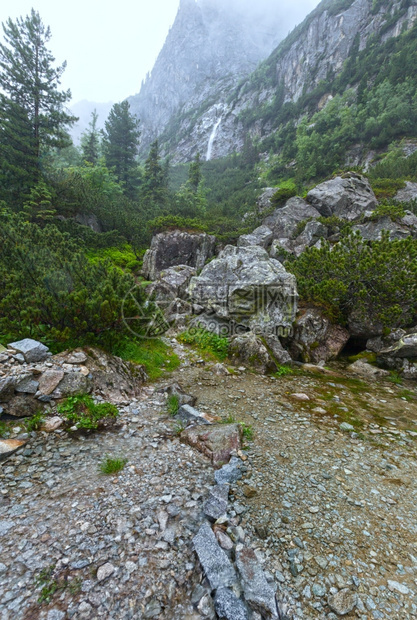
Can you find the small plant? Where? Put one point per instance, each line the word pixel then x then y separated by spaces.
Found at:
pixel 229 420
pixel 51 585
pixel 173 404
pixel 81 411
pixel 247 431
pixel 283 371
pixel 395 378
pixel 35 422
pixel 112 466
pixel 407 395
pixel 179 428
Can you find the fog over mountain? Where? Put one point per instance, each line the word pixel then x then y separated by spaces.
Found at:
pixel 211 46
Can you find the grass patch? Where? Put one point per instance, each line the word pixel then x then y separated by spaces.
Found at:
pixel 283 371
pixel 112 466
pixel 368 356
pixel 35 422
pixel 206 342
pixel 173 404
pixel 81 411
pixel 154 354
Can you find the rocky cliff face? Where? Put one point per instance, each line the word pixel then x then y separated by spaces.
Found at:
pixel 315 50
pixel 212 45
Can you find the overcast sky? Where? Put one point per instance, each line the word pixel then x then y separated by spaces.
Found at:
pixel 109 45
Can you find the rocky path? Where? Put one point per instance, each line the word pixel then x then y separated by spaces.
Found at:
pixel 330 513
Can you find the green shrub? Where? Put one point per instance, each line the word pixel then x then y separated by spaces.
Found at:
pixel 386 188
pixel 286 190
pixel 172 222
pixel 395 212
pixel 377 280
pixel 206 342
pixel 112 465
pixel 81 411
pixel 284 371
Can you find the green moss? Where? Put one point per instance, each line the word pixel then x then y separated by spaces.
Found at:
pixel 364 355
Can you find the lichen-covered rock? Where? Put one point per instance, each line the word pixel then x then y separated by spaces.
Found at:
pixel 263 203
pixel 316 339
pixel 404 347
pixel 343 602
pixel 23 406
pixel 280 355
pixel 366 370
pixel 228 606
pixel 177 248
pixel 171 283
pixel 347 197
pixel 246 286
pixel 283 222
pixel 249 350
pixel 217 567
pixel 217 442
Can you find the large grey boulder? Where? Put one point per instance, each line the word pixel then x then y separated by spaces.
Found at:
pixel 372 230
pixel 171 283
pixel 407 194
pixel 347 197
pixel 283 222
pixel 248 287
pixel 32 350
pixel 316 339
pixel 261 236
pixel 177 248
pixel 228 606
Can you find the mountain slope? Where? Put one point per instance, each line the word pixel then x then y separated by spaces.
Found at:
pixel 210 47
pixel 339 46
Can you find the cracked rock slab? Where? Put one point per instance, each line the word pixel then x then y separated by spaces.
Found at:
pixel 258 593
pixel 216 505
pixel 216 565
pixel 228 606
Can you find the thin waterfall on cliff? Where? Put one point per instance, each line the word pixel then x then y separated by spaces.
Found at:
pixel 212 138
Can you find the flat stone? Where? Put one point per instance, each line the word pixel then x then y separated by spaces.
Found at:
pixel 73 383
pixel 217 442
pixel 5 526
pixel 23 406
pixel 343 602
pixel 216 505
pixel 259 595
pixel 32 350
pixel 228 606
pixel 76 357
pixel 52 424
pixel 190 415
pixel 398 587
pixel 8 446
pixel 55 614
pixel 50 380
pixel 301 397
pixel 105 571
pixel 346 427
pixel 28 385
pixel 216 565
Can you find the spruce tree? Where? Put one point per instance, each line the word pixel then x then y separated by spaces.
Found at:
pixel 154 187
pixel 30 81
pixel 120 146
pixel 194 173
pixel 90 141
